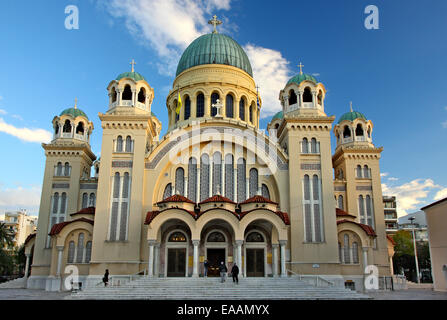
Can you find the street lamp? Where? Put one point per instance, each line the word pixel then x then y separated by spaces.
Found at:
pixel 415 250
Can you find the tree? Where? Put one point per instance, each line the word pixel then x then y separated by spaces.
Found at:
pixel 6 237
pixel 403 258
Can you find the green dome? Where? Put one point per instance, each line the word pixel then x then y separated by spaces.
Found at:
pixel 279 115
pixel 74 112
pixel 351 116
pixel 302 77
pixel 133 75
pixel 214 48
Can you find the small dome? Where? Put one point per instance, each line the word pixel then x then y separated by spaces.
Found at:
pixel 214 48
pixel 302 77
pixel 74 112
pixel 133 75
pixel 279 115
pixel 351 116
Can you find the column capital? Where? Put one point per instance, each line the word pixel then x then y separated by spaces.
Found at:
pixel 365 249
pixel 27 255
pixel 195 242
pixel 60 248
pixel 282 243
pixel 152 242
pixel 157 244
pixel 275 245
pixel 239 242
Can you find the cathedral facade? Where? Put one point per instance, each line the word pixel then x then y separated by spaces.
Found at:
pixel 214 187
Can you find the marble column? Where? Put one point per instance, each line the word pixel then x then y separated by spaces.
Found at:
pixel 365 258
pixel 239 256
pixel 60 251
pixel 28 255
pixel 156 259
pixel 275 259
pixel 195 267
pixel 150 267
pixel 282 244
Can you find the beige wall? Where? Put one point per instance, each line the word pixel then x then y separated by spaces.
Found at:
pixel 436 216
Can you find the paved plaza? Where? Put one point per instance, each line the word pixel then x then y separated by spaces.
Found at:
pixel 410 294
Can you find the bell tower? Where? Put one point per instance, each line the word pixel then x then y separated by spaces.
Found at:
pixel 130 130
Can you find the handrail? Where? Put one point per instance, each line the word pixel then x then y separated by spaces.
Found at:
pixel 130 276
pixel 317 277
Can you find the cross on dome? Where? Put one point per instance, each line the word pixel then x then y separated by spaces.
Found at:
pixel 215 23
pixel 301 67
pixel 350 105
pixel 76 103
pixel 133 63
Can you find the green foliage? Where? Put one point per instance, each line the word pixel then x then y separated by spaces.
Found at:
pixel 6 238
pixel 404 244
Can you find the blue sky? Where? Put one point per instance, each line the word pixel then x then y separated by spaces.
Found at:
pixel 394 75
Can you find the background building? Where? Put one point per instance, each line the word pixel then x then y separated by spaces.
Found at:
pixel 390 214
pixel 420 225
pixel 20 224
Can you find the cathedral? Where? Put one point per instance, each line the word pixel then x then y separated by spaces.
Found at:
pixel 215 187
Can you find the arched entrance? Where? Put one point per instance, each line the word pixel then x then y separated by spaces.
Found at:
pixel 256 254
pixel 176 252
pixel 216 251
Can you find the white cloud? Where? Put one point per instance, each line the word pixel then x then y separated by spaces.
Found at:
pixel 168 26
pixel 20 198
pixel 16 116
pixel 441 194
pixel 384 174
pixel 3 112
pixel 25 134
pixel 411 195
pixel 444 124
pixel 393 179
pixel 271 72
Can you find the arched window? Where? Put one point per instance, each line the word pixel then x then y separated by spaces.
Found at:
pixel 306 187
pixel 84 200
pixel 255 237
pixel 320 98
pixel 340 252
pixel 80 251
pixel 88 252
pixel 346 249
pixel 340 202
pixel 192 179
pixel 355 252
pixel 63 202
pixel 56 128
pixel 253 182
pixel 200 105
pixel 242 109
pixel 128 144
pixel 359 171
pixel 346 132
pixel 115 204
pixel 187 108
pixel 340 174
pixel 362 210
pixel 366 172
pixel 359 130
pixel 124 206
pixel 177 236
pixel 307 95
pixel 316 207
pixel 142 95
pixel 307 209
pixel 229 106
pixel 265 191
pixel 293 99
pixel 241 180
pixel 214 98
pixel 217 173
pixel 313 146
pixel 305 146
pixel 229 176
pixel 116 185
pixel 119 144
pixel 180 181
pixel 174 108
pixel 71 252
pixel 369 132
pixel 59 169
pixel 251 113
pixel 66 169
pixel 67 126
pixel 92 200
pixel 369 212
pixel 114 94
pixel 56 202
pixel 127 93
pixel 80 128
pixel 168 191
pixel 204 177
pixel 216 237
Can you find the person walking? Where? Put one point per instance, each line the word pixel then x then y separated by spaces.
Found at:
pixel 205 267
pixel 235 273
pixel 105 279
pixel 223 271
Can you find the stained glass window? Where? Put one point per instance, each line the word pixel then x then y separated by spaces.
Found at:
pixel 253 182
pixel 229 106
pixel 217 173
pixel 204 177
pixel 229 176
pixel 216 237
pixel 255 237
pixel 177 236
pixel 180 181
pixel 241 180
pixel 192 179
pixel 200 105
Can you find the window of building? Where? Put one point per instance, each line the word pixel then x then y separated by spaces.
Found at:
pixel 216 237
pixel 80 249
pixel 229 106
pixel 217 173
pixel 292 97
pixel 192 179
pixel 307 95
pixel 127 93
pixel 253 187
pixel 229 177
pixel 214 98
pixel 242 109
pixel 204 177
pixel 265 191
pixel 142 95
pixel 255 237
pixel 312 209
pixel 200 105
pixel 180 181
pixel 177 237
pixel 187 108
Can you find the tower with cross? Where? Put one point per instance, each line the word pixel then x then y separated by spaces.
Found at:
pixel 133 63
pixel 301 67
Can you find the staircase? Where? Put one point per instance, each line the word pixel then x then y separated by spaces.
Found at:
pixel 211 289
pixel 18 283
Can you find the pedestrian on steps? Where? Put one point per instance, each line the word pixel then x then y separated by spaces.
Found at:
pixel 235 273
pixel 105 279
pixel 205 267
pixel 223 271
